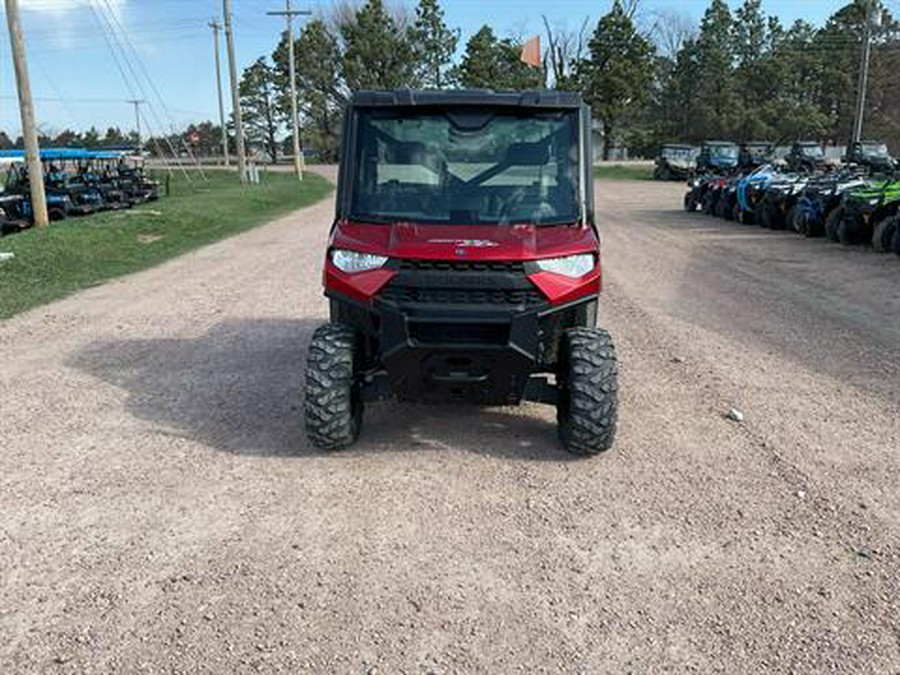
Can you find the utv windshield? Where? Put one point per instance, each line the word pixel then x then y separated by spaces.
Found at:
pixel 467 166
pixel 813 151
pixel 759 150
pixel 675 152
pixel 723 151
pixel 877 150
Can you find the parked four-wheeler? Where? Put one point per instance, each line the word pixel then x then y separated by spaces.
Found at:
pixel 675 162
pixel 779 209
pixel 717 156
pixel 754 154
pixel 746 208
pixel 873 155
pixel 704 193
pixel 10 208
pixel 59 204
pixel 862 212
pixel 821 198
pixel 463 264
pixel 806 157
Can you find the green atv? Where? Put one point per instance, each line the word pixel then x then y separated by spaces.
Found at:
pixel 867 214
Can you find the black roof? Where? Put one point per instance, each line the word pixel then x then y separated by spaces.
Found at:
pixel 474 97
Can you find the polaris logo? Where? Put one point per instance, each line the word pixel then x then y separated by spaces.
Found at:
pixel 466 243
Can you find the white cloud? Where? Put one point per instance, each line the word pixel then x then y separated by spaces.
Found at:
pixel 66 19
pixel 64 6
pixel 61 8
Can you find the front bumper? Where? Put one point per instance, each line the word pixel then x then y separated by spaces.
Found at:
pixel 469 332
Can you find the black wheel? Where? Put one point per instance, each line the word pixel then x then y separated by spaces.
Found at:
pixel 664 174
pixel 770 216
pixel 333 407
pixel 792 221
pixel 727 213
pixel 883 236
pixel 808 225
pixel 690 202
pixel 741 216
pixel 720 206
pixel 833 222
pixel 765 216
pixel 708 205
pixel 895 244
pixel 849 232
pixel 56 214
pixel 588 378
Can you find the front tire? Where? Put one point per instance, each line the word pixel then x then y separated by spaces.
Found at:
pixel 587 410
pixel 690 202
pixel 792 221
pixel 833 223
pixel 332 405
pixel 884 234
pixel 849 232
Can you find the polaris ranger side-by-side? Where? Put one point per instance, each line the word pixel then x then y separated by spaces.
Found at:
pixel 463 264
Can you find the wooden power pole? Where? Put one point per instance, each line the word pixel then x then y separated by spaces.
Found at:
pixel 137 121
pixel 289 13
pixel 26 109
pixel 214 24
pixel 235 93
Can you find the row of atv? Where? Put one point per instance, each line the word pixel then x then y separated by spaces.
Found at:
pixel 846 206
pixel 75 183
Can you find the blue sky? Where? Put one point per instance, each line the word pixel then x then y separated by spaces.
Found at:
pixel 76 82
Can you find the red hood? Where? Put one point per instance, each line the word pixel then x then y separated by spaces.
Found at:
pixel 478 242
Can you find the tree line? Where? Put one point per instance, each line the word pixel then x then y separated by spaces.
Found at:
pixel 650 77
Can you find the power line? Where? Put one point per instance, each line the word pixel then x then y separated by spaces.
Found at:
pixel 111 39
pixel 149 80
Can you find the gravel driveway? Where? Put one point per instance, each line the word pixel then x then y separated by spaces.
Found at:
pixel 163 512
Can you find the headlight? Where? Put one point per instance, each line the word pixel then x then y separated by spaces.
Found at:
pixel 573 266
pixel 875 201
pixel 354 261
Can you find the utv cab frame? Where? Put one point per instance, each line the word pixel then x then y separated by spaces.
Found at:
pixel 463 263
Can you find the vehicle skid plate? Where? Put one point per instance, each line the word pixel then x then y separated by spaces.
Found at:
pixel 479 358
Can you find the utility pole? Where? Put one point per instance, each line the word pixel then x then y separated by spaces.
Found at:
pixel 214 24
pixel 873 16
pixel 137 120
pixel 289 13
pixel 26 110
pixel 235 93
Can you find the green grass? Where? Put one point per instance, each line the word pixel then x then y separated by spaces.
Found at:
pixel 624 171
pixel 81 252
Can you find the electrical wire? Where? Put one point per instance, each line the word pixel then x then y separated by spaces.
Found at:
pixel 153 87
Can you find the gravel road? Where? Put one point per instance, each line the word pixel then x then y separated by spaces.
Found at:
pixel 161 510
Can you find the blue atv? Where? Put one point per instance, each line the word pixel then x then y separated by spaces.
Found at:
pixel 749 192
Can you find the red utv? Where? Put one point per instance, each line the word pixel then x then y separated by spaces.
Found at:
pixel 463 264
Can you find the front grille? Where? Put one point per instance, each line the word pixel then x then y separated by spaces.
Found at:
pixel 462 266
pixel 461 296
pixel 464 282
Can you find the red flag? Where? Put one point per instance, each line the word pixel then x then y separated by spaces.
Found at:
pixel 531 52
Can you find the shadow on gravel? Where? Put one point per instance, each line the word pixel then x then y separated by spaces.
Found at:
pixel 238 388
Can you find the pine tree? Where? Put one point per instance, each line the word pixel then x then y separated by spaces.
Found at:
pixel 434 44
pixel 618 75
